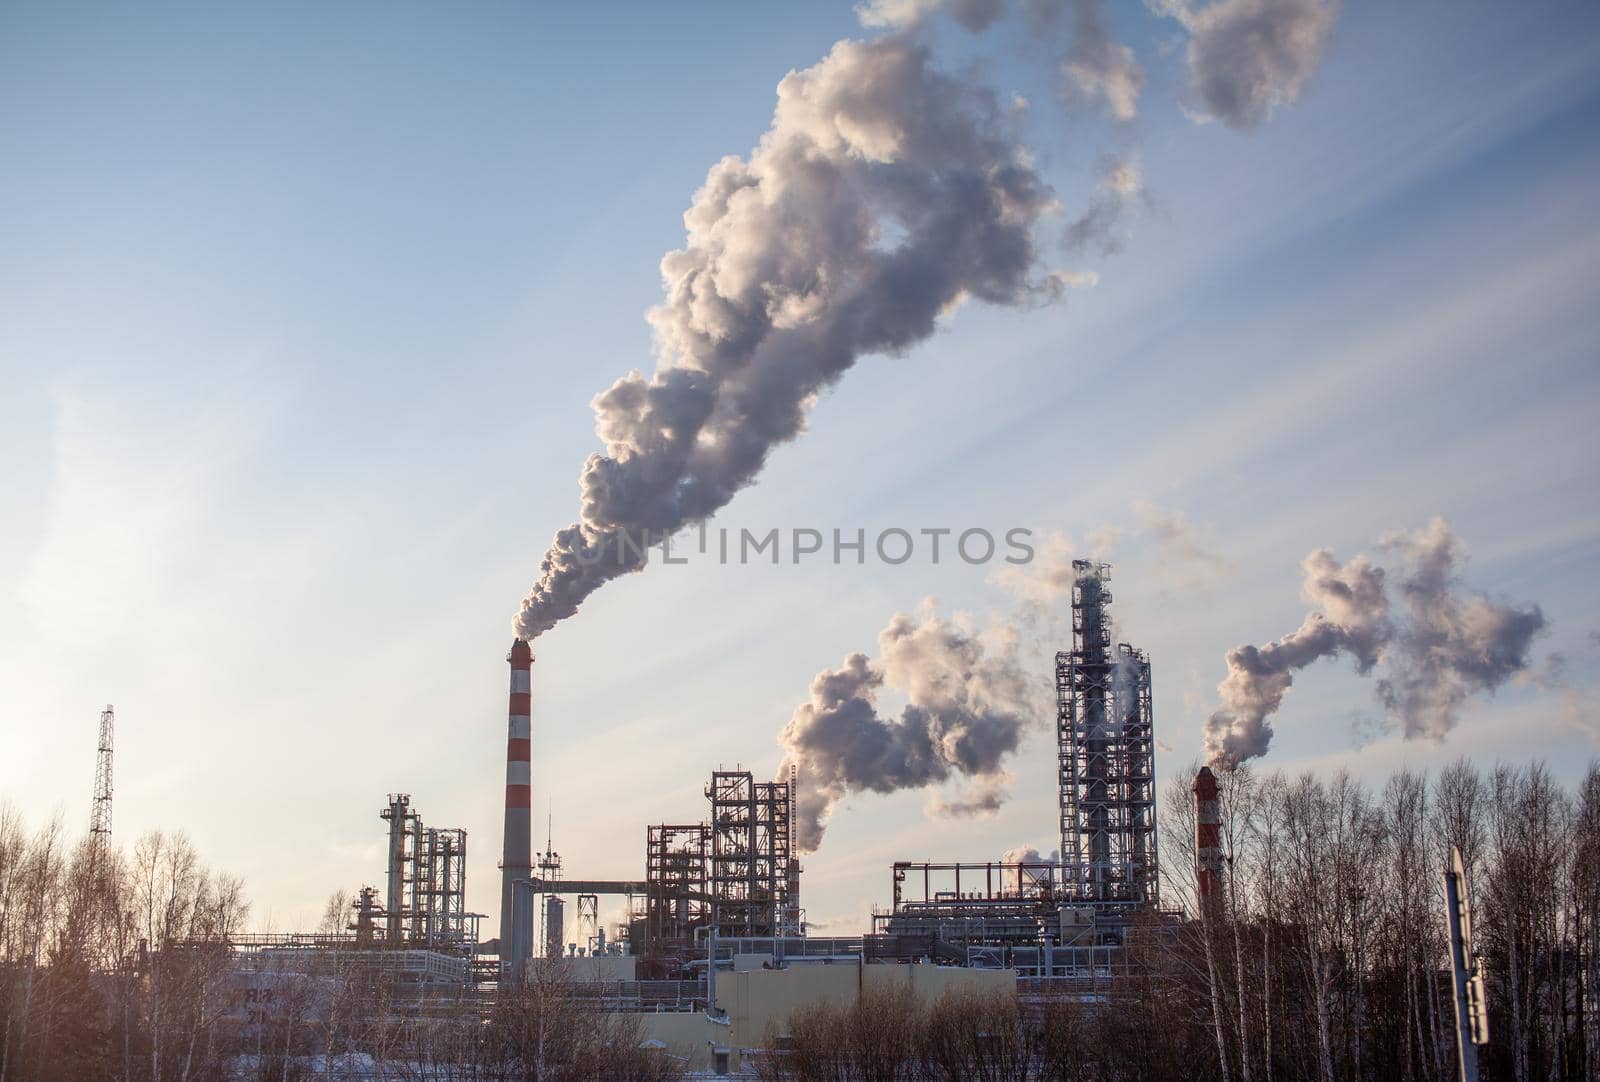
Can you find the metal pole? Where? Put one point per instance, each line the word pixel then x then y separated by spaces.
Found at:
pixel 1472 1027
pixel 711 965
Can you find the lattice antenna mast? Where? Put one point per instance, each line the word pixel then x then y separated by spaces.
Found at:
pixel 100 816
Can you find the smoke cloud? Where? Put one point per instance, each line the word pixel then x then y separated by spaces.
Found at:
pixel 1182 552
pixel 1245 58
pixel 1027 854
pixel 983 798
pixel 1184 547
pixel 1440 644
pixel 967 703
pixel 1248 57
pixel 1098 67
pixel 1121 187
pixel 884 194
pixel 1451 644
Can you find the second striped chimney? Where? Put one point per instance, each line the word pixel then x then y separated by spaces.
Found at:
pixel 1207 839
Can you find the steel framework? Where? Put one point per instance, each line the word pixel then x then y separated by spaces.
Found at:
pixel 734 876
pixel 677 900
pixel 1106 756
pixel 588 921
pixel 749 867
pixel 941 908
pixel 100 812
pixel 425 903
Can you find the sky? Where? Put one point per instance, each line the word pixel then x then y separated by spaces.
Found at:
pixel 302 308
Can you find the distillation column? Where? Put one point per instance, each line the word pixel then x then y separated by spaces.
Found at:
pixel 1106 756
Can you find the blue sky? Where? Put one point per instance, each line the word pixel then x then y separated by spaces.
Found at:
pixel 302 308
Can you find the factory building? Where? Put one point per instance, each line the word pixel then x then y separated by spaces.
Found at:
pixel 732 881
pixel 404 952
pixel 1060 924
pixel 713 951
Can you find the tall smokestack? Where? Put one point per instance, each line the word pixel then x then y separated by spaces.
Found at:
pixel 517 861
pixel 1207 840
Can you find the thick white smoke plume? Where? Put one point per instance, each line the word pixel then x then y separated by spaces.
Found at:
pixel 884 194
pixel 1438 645
pixel 967 705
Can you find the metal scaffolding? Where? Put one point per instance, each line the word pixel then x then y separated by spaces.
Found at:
pixel 941 909
pixel 442 886
pixel 734 875
pixel 590 933
pixel 677 900
pixel 425 904
pixel 749 853
pixel 1106 756
pixel 551 906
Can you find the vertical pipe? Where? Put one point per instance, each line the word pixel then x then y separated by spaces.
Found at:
pixel 427 882
pixel 790 846
pixel 399 807
pixel 555 932
pixel 418 859
pixel 517 861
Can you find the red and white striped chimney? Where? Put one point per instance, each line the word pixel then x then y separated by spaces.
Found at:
pixel 1207 839
pixel 517 861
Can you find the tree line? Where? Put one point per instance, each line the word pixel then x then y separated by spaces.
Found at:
pixel 82 992
pixel 119 965
pixel 1327 957
pixel 1325 960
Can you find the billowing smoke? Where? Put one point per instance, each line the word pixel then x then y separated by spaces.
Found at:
pixel 967 703
pixel 1451 643
pixel 1437 646
pixel 1350 615
pixel 884 194
pixel 1248 57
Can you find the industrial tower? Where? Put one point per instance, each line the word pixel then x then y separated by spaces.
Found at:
pixel 516 863
pixel 100 812
pixel 1106 756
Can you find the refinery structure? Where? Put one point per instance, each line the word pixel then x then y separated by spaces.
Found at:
pixel 715 923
